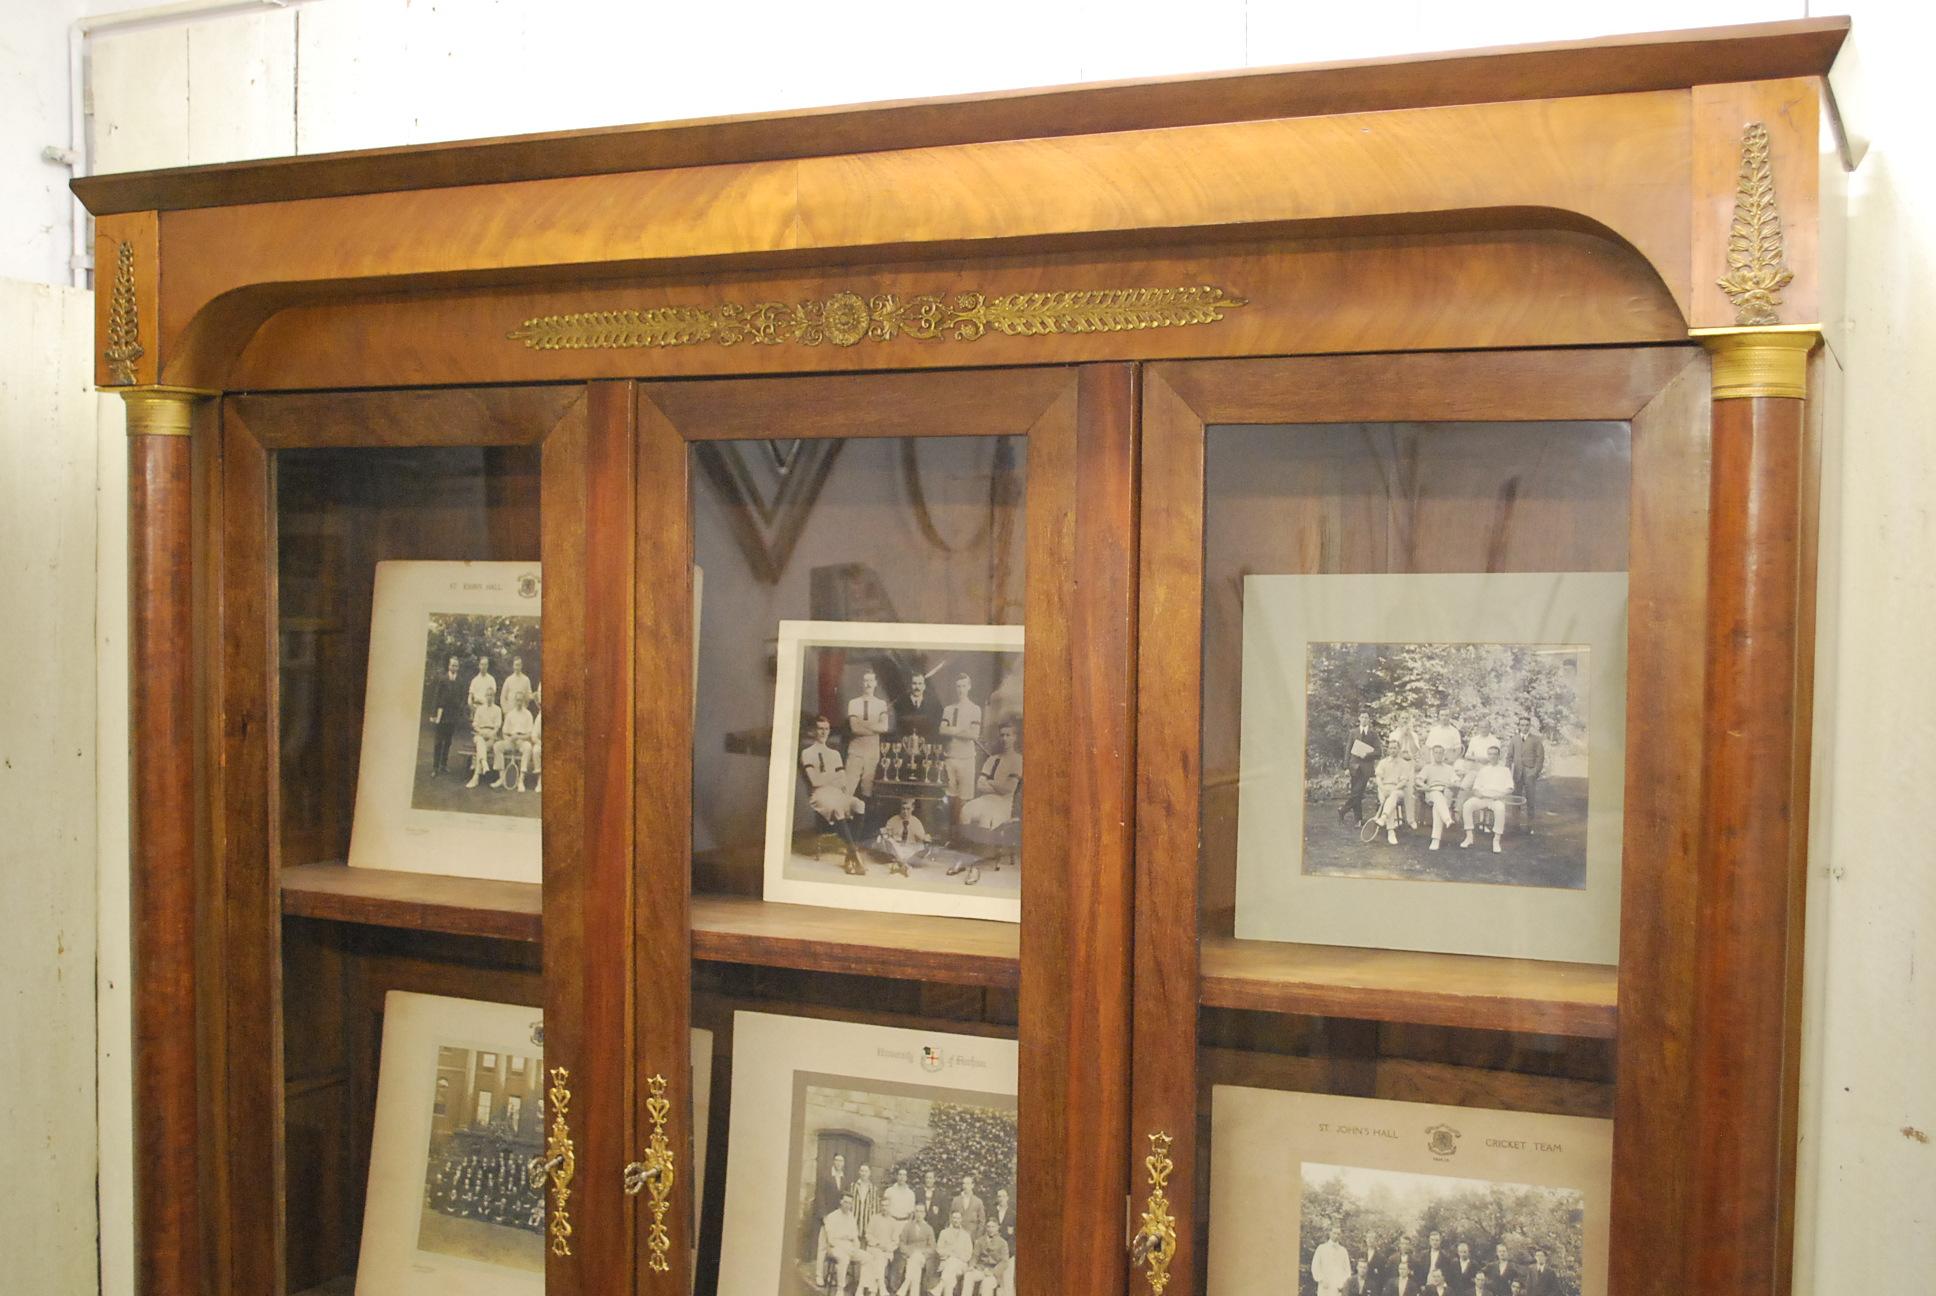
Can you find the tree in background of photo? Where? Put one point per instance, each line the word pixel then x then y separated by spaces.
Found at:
pixel 1476 687
pixel 963 1140
pixel 468 636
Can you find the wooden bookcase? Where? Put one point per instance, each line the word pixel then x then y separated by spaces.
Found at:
pixel 535 349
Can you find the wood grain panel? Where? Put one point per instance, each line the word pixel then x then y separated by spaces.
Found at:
pixel 1618 163
pixel 738 929
pixel 478 416
pixel 414 901
pixel 1666 610
pixel 588 539
pixel 969 403
pixel 162 877
pixel 1605 65
pixel 1164 1083
pixel 1398 985
pixel 1518 386
pixel 1475 288
pixel 250 917
pixel 1791 110
pixel 662 905
pixel 1075 939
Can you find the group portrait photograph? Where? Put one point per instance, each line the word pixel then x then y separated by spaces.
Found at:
pixel 902 1191
pixel 897 777
pixel 480 747
pixel 1380 1232
pixel 1448 762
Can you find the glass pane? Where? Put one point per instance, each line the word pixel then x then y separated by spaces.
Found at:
pixel 1413 748
pixel 389 564
pixel 858 794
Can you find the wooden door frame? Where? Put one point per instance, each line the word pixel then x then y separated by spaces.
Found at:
pixel 1663 393
pixel 585 516
pixel 1074 975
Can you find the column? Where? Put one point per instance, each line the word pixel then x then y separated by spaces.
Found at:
pixel 162 868
pixel 1751 831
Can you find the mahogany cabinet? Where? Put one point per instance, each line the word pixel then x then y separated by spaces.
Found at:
pixel 1101 363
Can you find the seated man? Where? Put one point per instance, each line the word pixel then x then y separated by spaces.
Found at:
pixel 903 838
pixel 1491 784
pixel 1395 774
pixel 917 1244
pixel 832 795
pixel 873 1267
pixel 840 1242
pixel 514 745
pixel 487 722
pixel 990 1256
pixel 1438 781
pixel 954 1249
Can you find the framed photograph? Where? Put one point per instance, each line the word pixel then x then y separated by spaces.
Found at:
pixel 865 1156
pixel 1403 1198
pixel 1434 762
pixel 452 772
pixel 896 778
pixel 460 1113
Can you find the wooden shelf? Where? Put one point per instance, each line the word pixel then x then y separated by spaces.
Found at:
pixel 1401 986
pixel 417 901
pixel 726 929
pixel 960 951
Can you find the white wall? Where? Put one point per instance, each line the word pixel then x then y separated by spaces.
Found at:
pixel 333 74
pixel 47 790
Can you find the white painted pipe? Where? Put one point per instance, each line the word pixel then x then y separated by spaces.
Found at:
pixel 77 155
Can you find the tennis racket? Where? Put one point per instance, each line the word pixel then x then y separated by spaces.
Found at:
pixel 1368 830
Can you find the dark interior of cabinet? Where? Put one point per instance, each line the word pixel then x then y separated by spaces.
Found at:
pixel 335 977
pixel 340 512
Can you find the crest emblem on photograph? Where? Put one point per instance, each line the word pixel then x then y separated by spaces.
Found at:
pixel 931 1058
pixel 528 585
pixel 537 1033
pixel 1442 1141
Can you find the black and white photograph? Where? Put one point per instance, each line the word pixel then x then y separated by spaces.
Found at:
pixel 1447 762
pixel 450 777
pixel 486 1123
pixel 1367 1232
pixel 1322 1195
pixel 462 1104
pixel 869 1161
pixel 901 1189
pixel 897 777
pixel 1432 761
pixel 481 746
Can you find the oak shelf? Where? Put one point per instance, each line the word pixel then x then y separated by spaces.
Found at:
pixel 456 906
pixel 1463 990
pixel 959 951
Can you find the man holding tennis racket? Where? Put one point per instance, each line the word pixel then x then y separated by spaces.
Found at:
pixel 1491 785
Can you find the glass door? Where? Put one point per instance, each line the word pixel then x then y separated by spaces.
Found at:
pixel 413 839
pixel 884 656
pixel 1421 638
